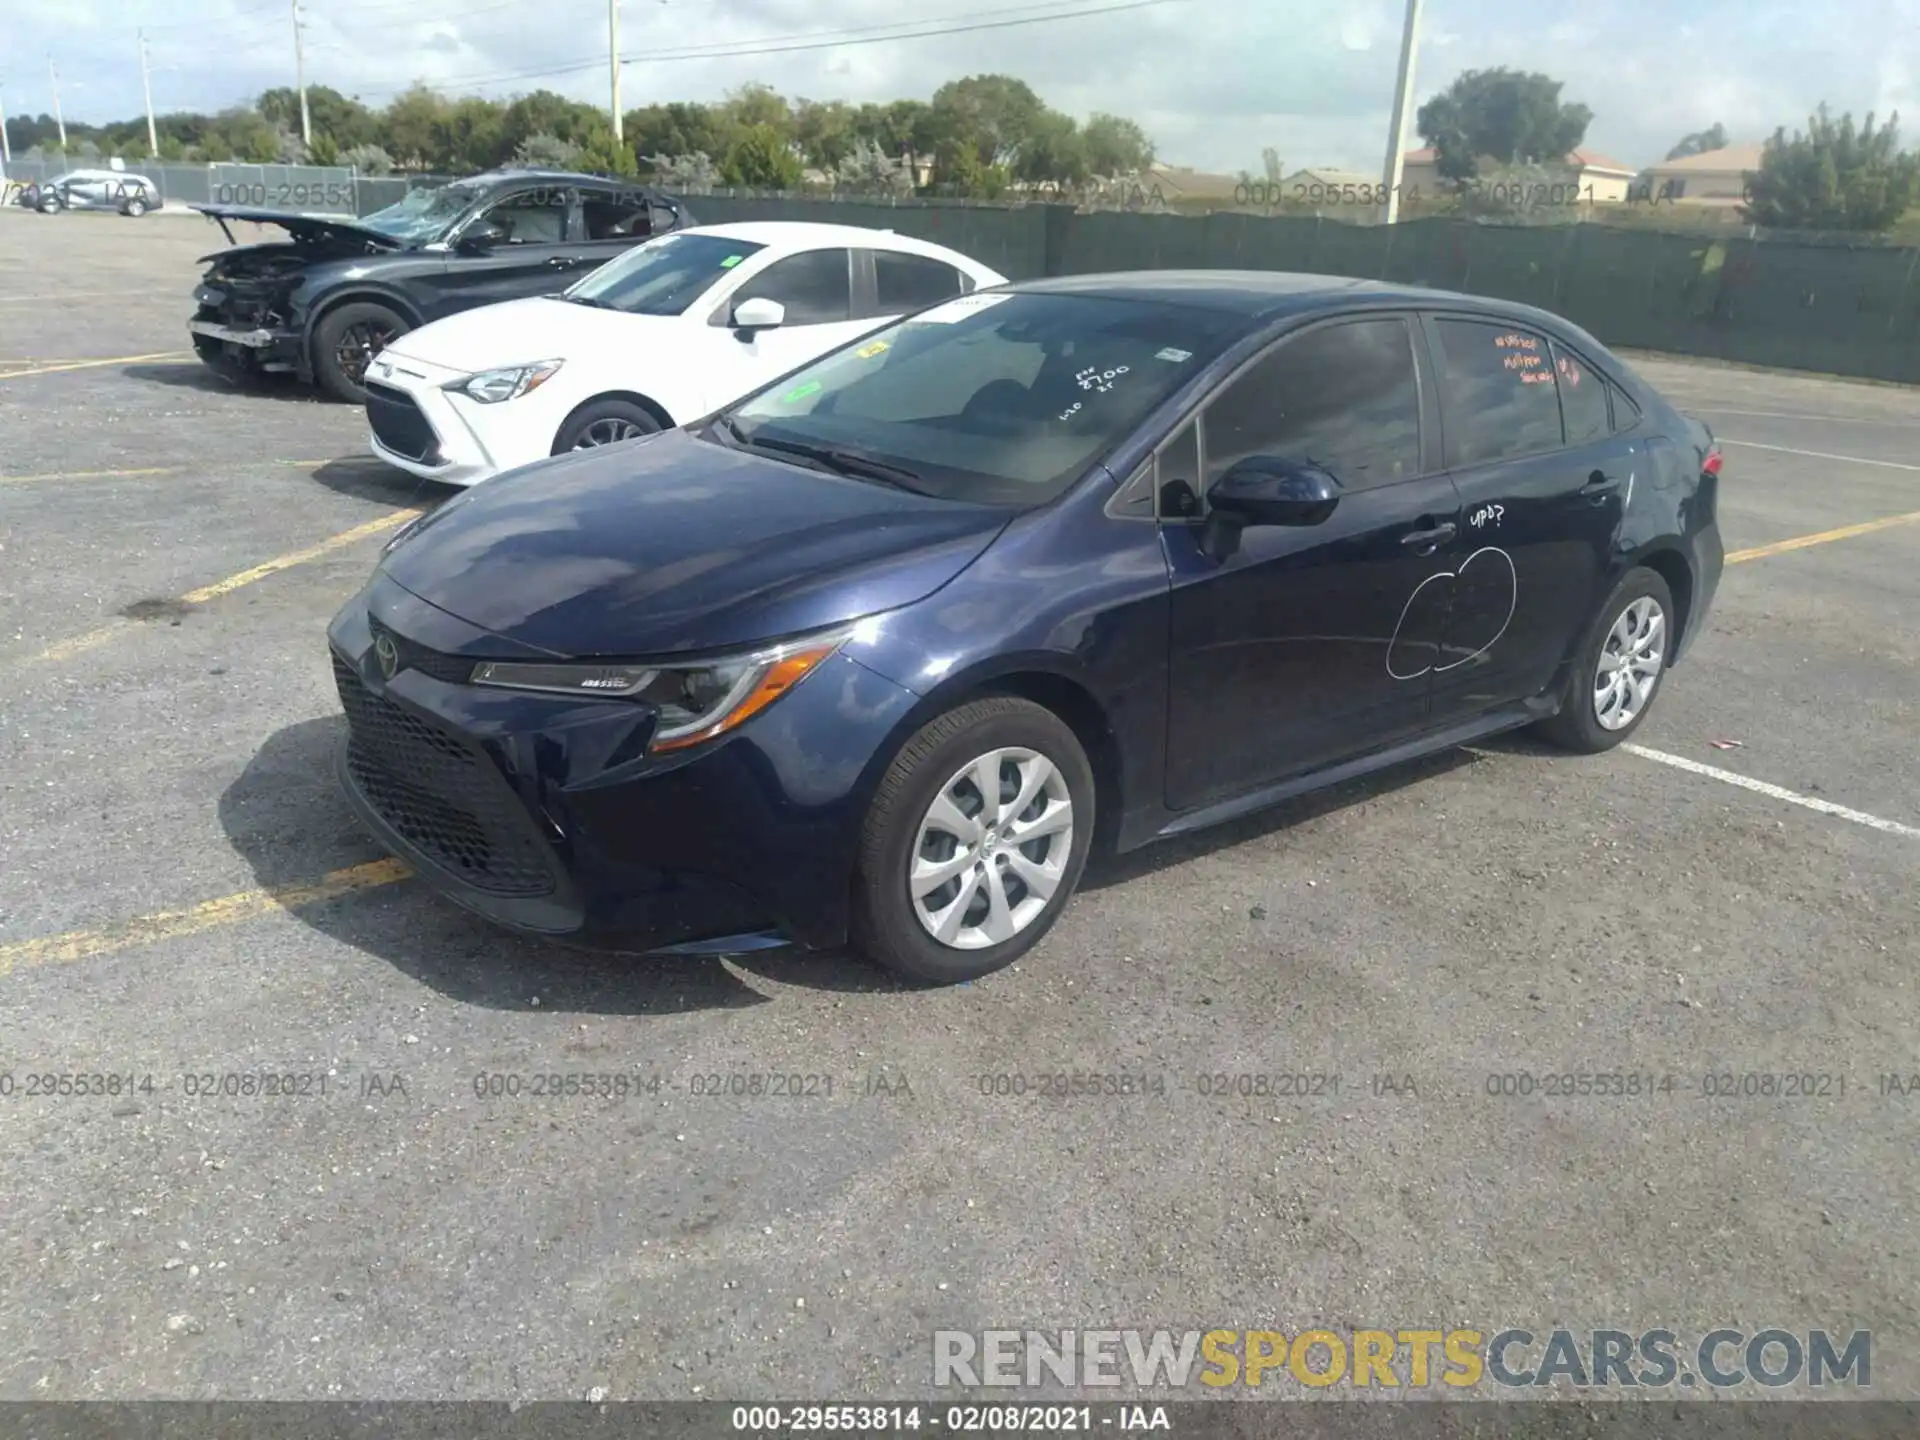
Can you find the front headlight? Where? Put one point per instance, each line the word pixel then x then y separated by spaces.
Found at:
pixel 698 700
pixel 510 382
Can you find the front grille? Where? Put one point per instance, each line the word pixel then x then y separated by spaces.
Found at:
pixel 401 425
pixel 441 794
pixel 450 668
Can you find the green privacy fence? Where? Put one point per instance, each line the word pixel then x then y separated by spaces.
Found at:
pixel 1799 302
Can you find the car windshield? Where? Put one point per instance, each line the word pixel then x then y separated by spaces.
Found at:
pixel 999 398
pixel 664 276
pixel 424 214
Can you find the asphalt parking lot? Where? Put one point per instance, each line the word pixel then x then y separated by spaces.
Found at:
pixel 183 895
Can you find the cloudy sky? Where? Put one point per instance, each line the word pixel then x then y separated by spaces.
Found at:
pixel 1212 81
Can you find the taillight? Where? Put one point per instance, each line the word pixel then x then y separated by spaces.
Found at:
pixel 1711 465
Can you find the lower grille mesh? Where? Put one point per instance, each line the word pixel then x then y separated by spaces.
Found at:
pixel 440 794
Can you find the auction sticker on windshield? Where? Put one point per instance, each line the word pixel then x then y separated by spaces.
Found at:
pixel 955 310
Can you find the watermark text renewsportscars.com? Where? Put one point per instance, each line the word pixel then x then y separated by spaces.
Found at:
pixel 1415 1358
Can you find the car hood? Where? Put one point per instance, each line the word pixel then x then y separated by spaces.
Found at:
pixel 517 332
pixel 321 231
pixel 674 544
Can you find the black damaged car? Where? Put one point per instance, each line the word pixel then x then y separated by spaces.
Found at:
pixel 323 303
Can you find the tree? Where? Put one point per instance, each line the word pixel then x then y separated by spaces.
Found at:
pixel 695 171
pixel 1502 115
pixel 470 135
pixel 992 114
pixel 411 124
pixel 754 106
pixel 547 152
pixel 1834 177
pixel 601 154
pixel 1714 137
pixel 1054 153
pixel 368 160
pixel 869 170
pixel 1115 146
pixel 1271 167
pixel 824 132
pixel 760 159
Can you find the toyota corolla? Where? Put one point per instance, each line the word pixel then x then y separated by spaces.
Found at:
pixel 877 655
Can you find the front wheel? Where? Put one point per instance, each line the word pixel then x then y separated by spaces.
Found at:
pixel 975 840
pixel 51 204
pixel 1618 667
pixel 345 342
pixel 604 422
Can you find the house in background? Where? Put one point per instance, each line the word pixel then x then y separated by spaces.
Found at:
pixel 1601 179
pixel 1325 183
pixel 1183 182
pixel 1717 177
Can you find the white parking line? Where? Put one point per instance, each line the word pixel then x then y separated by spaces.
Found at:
pixel 1817 454
pixel 1775 792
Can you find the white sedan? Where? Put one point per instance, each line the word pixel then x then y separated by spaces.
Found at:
pixel 667 333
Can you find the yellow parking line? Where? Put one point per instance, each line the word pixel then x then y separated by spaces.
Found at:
pixel 66 649
pixel 94 364
pixel 1801 542
pixel 91 474
pixel 167 924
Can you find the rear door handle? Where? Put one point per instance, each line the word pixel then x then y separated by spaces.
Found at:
pixel 1425 542
pixel 563 262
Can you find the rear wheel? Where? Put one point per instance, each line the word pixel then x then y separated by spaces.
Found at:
pixel 605 422
pixel 51 203
pixel 1618 668
pixel 975 840
pixel 135 207
pixel 345 342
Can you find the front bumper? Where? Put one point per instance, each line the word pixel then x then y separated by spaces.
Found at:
pixel 460 447
pixel 256 347
pixel 545 813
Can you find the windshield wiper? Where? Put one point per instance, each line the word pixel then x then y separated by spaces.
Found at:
pixel 844 462
pixel 586 300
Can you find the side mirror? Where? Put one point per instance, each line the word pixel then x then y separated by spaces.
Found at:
pixel 483 235
pixel 1269 490
pixel 759 314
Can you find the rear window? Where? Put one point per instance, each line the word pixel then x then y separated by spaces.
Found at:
pixel 904 283
pixel 1497 386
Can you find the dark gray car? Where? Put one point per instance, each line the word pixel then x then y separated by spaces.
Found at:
pixel 323 303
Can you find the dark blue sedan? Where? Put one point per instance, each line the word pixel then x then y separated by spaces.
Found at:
pixel 881 653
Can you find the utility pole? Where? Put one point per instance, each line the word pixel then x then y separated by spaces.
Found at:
pixel 300 78
pixel 58 118
pixel 613 60
pixel 6 146
pixel 146 86
pixel 1402 102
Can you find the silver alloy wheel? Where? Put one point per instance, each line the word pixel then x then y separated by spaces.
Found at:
pixel 991 849
pixel 1629 664
pixel 609 431
pixel 136 208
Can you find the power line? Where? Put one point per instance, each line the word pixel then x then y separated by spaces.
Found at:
pixel 781 45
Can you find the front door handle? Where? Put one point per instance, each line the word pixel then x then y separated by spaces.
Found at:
pixel 1600 480
pixel 1425 542
pixel 563 262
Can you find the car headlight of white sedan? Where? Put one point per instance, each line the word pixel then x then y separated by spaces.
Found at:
pixel 509 382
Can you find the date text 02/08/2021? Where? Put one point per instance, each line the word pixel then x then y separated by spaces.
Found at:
pixel 959 1419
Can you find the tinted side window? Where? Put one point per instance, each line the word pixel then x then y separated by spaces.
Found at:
pixel 1583 398
pixel 613 215
pixel 905 283
pixel 1626 414
pixel 813 285
pixel 1343 396
pixel 1179 475
pixel 536 217
pixel 1496 383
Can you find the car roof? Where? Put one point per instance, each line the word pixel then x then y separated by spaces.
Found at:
pixel 1262 295
pixel 789 233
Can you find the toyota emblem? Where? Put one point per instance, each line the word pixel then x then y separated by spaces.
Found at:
pixel 387 655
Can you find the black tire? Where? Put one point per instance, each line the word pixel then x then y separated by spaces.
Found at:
pixel 134 208
pixel 886 929
pixel 604 414
pixel 362 326
pixel 51 204
pixel 1577 726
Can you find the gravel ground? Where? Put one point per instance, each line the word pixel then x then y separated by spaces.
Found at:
pixel 1494 911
